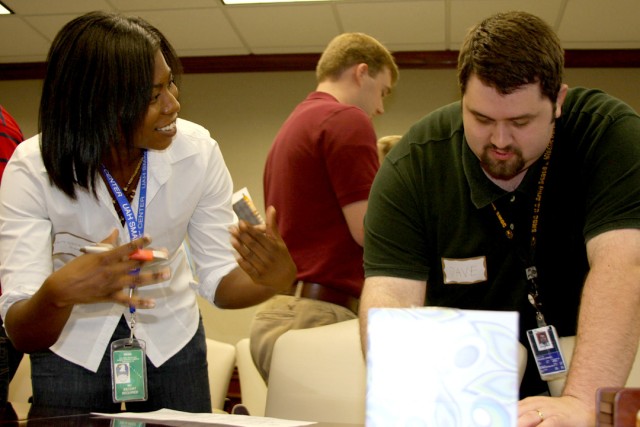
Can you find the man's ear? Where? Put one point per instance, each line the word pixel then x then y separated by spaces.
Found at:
pixel 361 71
pixel 562 94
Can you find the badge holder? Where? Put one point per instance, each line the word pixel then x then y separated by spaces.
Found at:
pixel 129 366
pixel 115 422
pixel 544 341
pixel 546 350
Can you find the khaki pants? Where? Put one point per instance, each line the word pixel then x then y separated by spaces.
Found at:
pixel 282 313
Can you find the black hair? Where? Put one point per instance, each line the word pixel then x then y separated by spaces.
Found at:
pixel 96 91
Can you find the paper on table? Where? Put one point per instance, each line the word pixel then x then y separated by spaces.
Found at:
pixel 207 418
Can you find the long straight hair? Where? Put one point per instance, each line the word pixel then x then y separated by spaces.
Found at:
pixel 96 91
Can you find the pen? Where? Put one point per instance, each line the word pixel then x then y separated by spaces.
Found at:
pixel 138 255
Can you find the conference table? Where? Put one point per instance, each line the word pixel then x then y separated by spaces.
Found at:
pixel 90 420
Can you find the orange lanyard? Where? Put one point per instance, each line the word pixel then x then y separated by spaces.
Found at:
pixel 531 271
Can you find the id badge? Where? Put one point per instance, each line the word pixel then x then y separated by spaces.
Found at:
pixel 546 350
pixel 128 370
pixel 126 423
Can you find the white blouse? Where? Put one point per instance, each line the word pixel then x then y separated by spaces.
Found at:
pixel 41 229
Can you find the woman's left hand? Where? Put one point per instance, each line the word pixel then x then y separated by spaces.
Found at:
pixel 263 255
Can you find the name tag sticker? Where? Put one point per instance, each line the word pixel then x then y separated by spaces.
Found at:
pixel 464 271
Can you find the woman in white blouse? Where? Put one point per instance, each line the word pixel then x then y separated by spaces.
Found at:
pixel 113 167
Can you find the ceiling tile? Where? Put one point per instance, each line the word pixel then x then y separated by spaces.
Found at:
pixel 49 25
pixel 599 24
pixel 126 5
pixel 195 32
pixel 32 43
pixel 399 25
pixel 302 28
pixel 42 7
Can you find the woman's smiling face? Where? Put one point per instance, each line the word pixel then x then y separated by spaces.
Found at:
pixel 159 125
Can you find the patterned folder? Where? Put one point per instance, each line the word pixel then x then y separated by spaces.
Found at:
pixel 441 367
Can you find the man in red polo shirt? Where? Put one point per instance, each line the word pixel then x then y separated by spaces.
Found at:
pixel 318 175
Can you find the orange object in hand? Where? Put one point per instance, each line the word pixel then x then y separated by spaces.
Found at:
pixel 147 255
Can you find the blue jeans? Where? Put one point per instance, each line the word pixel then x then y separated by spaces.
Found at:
pixel 64 388
pixel 9 360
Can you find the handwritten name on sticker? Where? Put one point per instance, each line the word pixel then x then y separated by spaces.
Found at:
pixel 464 271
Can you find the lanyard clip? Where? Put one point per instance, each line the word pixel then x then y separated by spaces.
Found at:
pixel 531 272
pixel 540 319
pixel 132 310
pixel 538 307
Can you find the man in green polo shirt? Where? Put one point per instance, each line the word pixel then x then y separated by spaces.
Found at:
pixel 523 196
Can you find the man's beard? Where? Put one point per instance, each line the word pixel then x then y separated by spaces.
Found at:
pixel 502 169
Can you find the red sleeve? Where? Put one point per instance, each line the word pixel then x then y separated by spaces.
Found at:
pixel 10 137
pixel 351 155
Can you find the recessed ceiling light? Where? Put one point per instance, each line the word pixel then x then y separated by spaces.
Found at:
pixel 268 1
pixel 4 10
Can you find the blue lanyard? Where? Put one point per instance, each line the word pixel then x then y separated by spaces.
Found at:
pixel 134 223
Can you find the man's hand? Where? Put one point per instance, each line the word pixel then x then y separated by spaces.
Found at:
pixel 565 411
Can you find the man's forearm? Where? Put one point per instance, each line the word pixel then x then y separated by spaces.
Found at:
pixel 388 292
pixel 608 332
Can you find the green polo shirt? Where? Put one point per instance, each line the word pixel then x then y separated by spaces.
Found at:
pixel 430 215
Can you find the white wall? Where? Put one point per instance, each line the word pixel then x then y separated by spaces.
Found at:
pixel 243 111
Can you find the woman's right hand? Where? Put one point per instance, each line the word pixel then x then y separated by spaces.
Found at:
pixel 101 277
pixel 35 323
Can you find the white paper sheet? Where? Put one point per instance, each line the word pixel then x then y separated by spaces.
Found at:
pixel 207 418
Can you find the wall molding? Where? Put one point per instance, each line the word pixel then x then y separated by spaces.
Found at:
pixel 610 58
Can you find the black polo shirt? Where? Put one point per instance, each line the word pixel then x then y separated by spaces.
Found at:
pixel 430 215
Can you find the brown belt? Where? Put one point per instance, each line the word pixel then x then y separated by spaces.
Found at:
pixel 322 293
